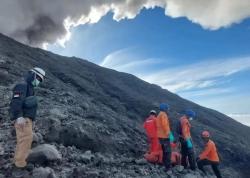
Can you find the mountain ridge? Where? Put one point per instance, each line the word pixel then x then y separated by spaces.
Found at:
pixel 103 106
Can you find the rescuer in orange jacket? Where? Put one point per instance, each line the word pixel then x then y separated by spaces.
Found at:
pixel 209 156
pixel 175 155
pixel 151 131
pixel 154 157
pixel 154 154
pixel 185 138
pixel 163 133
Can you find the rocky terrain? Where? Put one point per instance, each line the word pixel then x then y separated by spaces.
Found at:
pixel 90 119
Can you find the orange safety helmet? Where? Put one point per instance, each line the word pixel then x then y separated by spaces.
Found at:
pixel 205 134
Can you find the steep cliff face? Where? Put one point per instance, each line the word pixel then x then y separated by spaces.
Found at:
pixel 86 107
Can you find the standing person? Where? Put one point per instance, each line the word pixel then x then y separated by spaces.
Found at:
pixel 163 133
pixel 187 149
pixel 209 156
pixel 23 109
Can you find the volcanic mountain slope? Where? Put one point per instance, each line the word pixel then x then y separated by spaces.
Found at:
pixel 83 107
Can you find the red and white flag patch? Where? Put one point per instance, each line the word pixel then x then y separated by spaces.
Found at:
pixel 16 95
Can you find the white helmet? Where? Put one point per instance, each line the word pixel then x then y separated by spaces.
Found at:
pixel 153 112
pixel 40 72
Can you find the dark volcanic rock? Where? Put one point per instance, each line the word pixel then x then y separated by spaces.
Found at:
pixel 79 136
pixel 83 107
pixel 43 173
pixel 43 154
pixel 87 157
pixel 37 138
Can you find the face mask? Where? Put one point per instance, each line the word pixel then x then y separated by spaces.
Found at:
pixel 35 83
pixel 190 118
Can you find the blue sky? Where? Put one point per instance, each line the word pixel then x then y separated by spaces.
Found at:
pixel 209 67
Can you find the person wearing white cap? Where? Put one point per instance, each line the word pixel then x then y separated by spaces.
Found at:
pixel 23 109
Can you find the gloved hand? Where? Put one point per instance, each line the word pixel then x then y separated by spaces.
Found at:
pixel 171 137
pixel 189 143
pixel 21 121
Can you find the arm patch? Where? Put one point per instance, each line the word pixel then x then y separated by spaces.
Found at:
pixel 17 95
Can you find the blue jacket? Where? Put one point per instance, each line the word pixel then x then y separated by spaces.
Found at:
pixel 24 101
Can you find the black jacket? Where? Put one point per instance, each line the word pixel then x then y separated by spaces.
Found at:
pixel 24 101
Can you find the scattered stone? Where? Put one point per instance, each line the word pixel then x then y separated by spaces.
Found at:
pixel 127 160
pixel 79 171
pixel 169 172
pixel 18 173
pixel 1 150
pixel 179 168
pixel 93 174
pixel 1 60
pixel 30 167
pixel 189 175
pixel 37 138
pixel 87 157
pixel 44 154
pixel 141 161
pixel 43 173
pixel 57 112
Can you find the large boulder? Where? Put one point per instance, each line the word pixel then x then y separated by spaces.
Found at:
pixel 43 154
pixel 51 127
pixel 74 134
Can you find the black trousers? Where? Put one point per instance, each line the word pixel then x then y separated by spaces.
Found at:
pixel 187 155
pixel 214 165
pixel 166 149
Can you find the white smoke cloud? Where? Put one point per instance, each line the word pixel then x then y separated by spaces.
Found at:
pixel 36 22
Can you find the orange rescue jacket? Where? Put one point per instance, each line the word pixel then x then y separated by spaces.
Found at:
pixel 162 123
pixel 185 128
pixel 210 152
pixel 150 126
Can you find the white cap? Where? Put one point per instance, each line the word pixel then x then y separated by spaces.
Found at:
pixel 40 72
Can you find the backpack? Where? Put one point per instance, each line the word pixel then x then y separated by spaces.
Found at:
pixel 13 103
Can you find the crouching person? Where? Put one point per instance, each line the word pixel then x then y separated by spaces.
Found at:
pixel 157 155
pixel 23 108
pixel 154 154
pixel 154 157
pixel 209 156
pixel 175 156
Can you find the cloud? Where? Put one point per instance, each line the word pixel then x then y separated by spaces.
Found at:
pixel 211 14
pixel 129 60
pixel 37 22
pixel 207 91
pixel 180 79
pixel 243 118
pixel 200 75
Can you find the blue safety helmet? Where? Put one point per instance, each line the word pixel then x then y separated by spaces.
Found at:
pixel 190 113
pixel 164 107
